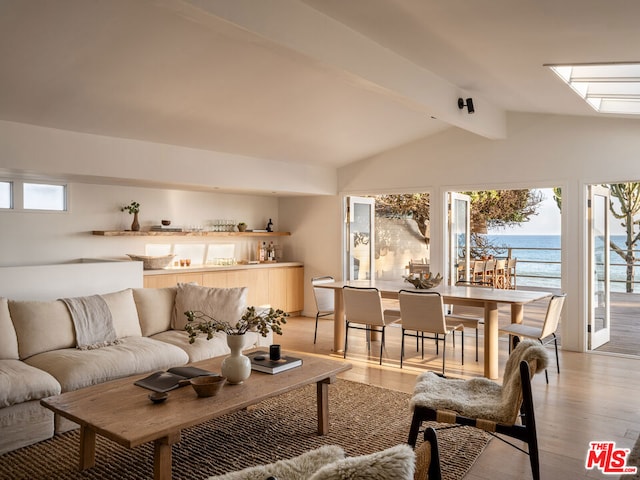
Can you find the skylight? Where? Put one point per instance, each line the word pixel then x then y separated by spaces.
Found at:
pixel 608 88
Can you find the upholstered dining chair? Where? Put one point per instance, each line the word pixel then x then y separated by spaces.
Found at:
pixel 423 312
pixel 468 320
pixel 500 410
pixel 324 298
pixel 363 311
pixel 545 334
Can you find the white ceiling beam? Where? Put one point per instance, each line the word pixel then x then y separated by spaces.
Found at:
pixel 298 27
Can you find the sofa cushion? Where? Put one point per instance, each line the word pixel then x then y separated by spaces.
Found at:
pixel 124 313
pixel 296 468
pixel 8 339
pixel 223 304
pixel 75 368
pixel 20 383
pixel 41 326
pixel 156 306
pixel 395 463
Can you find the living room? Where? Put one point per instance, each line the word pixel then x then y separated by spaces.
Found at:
pixel 88 104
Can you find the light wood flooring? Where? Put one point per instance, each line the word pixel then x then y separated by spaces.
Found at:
pixel 595 397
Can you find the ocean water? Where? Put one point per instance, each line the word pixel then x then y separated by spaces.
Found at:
pixel 539 260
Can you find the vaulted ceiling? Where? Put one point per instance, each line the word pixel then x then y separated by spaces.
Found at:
pixel 324 82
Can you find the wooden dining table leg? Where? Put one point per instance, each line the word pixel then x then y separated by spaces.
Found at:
pixel 517 312
pixel 491 340
pixel 338 321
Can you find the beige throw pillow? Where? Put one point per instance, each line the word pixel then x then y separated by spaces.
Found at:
pixel 224 304
pixel 124 313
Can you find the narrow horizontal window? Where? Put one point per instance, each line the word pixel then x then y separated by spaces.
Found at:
pixel 41 196
pixel 5 195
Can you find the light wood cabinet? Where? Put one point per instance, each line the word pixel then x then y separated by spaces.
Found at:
pixel 215 279
pixel 256 280
pixel 281 286
pixel 295 289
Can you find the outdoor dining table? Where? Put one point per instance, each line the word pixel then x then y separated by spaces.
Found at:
pixel 486 298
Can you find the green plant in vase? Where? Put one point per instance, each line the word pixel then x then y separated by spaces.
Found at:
pixel 236 368
pixel 252 321
pixel 133 208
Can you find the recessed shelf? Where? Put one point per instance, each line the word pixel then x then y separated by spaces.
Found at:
pixel 148 233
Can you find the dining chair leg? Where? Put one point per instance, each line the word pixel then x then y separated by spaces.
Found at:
pixel 462 343
pixel 422 337
pixel 382 345
pixel 402 348
pixel 444 352
pixel 555 342
pixel 315 333
pixel 476 344
pixel 346 337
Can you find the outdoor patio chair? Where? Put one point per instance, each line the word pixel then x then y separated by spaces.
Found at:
pixel 500 410
pixel 324 298
pixel 422 312
pixel 500 274
pixel 512 263
pixel 545 334
pixel 363 311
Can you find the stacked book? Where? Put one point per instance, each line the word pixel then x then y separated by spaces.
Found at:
pixel 260 362
pixel 162 228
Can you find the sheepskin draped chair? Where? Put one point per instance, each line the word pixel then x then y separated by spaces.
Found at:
pixel 330 462
pixel 505 409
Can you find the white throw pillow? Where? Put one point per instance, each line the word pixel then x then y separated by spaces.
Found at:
pixel 395 463
pixel 223 304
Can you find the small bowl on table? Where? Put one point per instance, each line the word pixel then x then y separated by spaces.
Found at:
pixel 208 385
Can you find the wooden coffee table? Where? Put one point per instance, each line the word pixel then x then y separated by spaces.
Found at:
pixel 122 412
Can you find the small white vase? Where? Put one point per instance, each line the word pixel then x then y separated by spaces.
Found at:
pixel 236 367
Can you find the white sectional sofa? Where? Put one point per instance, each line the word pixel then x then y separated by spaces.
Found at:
pixel 39 358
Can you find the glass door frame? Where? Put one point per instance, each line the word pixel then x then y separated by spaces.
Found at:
pixel 453 233
pixel 598 292
pixel 349 244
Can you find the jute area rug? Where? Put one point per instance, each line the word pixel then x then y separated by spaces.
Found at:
pixel 363 419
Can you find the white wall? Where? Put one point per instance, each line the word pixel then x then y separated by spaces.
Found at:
pixel 32 238
pixel 316 238
pixel 539 151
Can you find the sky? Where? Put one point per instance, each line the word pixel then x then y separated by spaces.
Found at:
pixel 547 221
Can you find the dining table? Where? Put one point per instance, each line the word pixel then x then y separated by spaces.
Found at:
pixel 486 298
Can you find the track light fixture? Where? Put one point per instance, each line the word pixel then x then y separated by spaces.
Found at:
pixel 468 104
